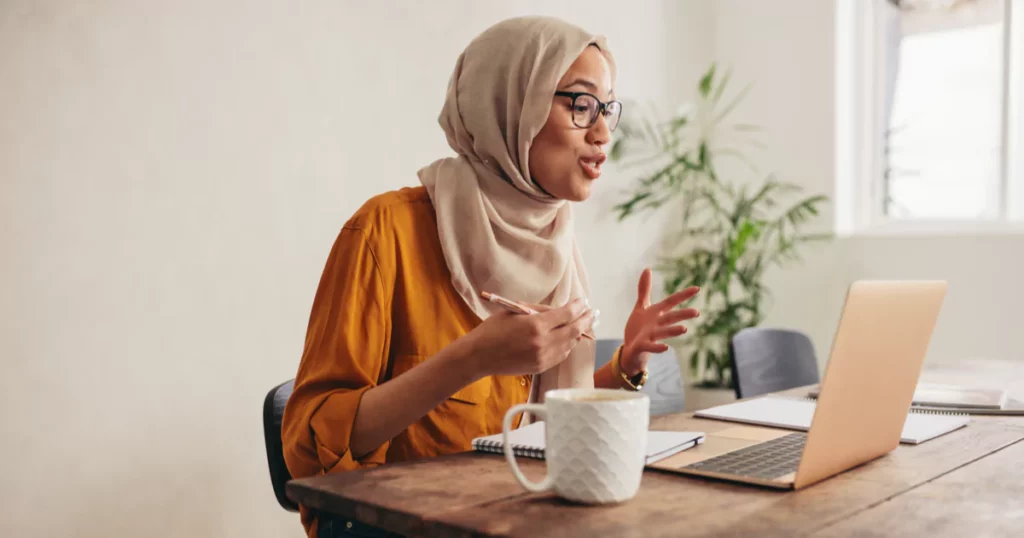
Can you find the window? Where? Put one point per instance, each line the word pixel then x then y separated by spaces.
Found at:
pixel 929 122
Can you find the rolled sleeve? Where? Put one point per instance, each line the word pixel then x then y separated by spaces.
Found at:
pixel 345 354
pixel 332 431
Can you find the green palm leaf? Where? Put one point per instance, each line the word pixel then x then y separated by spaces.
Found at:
pixel 728 228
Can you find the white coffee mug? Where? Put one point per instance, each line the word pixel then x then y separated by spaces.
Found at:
pixel 596 443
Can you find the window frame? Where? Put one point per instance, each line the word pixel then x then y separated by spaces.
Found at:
pixel 860 120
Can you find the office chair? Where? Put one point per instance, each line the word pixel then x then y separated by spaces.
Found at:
pixel 273 410
pixel 769 360
pixel 664 380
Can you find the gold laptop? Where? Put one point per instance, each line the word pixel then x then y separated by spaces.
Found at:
pixel 865 395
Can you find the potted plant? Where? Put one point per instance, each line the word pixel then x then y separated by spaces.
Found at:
pixel 730 223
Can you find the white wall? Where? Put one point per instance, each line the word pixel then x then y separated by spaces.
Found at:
pixel 172 175
pixel 786 48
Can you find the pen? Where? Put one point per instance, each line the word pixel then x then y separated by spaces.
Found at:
pixel 516 307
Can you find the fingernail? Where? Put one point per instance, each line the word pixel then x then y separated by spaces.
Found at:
pixel 586 301
pixel 597 313
pixel 595 324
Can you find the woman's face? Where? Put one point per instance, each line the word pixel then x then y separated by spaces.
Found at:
pixel 565 160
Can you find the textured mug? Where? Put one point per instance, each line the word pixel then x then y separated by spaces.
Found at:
pixel 596 443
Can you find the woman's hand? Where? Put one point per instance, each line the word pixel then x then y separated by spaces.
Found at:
pixel 518 344
pixel 649 324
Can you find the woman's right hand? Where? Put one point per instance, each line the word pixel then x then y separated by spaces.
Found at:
pixel 518 344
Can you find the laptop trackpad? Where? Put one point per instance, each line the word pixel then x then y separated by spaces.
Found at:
pixel 721 442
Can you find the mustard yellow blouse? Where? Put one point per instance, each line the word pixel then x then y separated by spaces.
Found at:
pixel 385 303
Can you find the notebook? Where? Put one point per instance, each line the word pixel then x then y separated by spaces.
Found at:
pixel 1011 407
pixel 796 414
pixel 953 396
pixel 528 442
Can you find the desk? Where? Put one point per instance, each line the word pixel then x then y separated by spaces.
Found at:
pixel 968 482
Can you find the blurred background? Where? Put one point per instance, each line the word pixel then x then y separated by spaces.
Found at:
pixel 172 176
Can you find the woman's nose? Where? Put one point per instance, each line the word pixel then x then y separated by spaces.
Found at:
pixel 599 134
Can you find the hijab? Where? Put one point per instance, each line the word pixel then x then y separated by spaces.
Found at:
pixel 499 231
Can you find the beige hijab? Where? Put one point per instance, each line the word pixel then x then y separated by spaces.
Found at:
pixel 499 232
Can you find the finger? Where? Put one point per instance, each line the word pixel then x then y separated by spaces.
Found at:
pixel 539 307
pixel 545 308
pixel 502 314
pixel 570 346
pixel 643 292
pixel 651 347
pixel 560 352
pixel 675 316
pixel 558 355
pixel 670 331
pixel 678 297
pixel 559 317
pixel 573 330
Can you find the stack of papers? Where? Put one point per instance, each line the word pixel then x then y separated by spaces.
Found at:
pixel 958 399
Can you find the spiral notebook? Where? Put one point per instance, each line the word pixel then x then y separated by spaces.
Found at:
pixel 932 395
pixel 528 442
pixel 796 414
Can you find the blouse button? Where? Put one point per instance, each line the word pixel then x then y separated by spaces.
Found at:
pixel 522 381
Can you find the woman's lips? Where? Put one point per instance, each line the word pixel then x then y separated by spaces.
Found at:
pixel 592 165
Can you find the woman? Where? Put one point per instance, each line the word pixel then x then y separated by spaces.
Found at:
pixel 397 363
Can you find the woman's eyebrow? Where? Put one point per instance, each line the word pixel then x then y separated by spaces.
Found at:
pixel 583 82
pixel 588 84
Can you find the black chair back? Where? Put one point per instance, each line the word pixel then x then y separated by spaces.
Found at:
pixel 273 411
pixel 769 360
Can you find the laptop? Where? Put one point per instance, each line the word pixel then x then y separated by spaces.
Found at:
pixel 877 355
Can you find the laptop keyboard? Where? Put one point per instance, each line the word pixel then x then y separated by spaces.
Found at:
pixel 767 460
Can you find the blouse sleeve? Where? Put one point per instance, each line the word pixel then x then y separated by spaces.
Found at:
pixel 345 354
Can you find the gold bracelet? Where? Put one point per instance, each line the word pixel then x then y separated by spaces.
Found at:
pixel 636 382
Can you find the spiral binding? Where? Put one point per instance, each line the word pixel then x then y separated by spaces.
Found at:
pixel 497 447
pixel 914 410
pixel 932 411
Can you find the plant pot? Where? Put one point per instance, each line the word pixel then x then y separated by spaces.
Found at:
pixel 698 397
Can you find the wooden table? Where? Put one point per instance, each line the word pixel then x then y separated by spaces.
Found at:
pixel 966 483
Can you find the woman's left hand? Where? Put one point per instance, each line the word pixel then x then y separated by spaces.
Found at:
pixel 649 324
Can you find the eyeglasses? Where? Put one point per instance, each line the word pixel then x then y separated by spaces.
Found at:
pixel 586 107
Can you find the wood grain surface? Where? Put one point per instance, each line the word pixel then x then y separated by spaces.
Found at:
pixel 968 482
